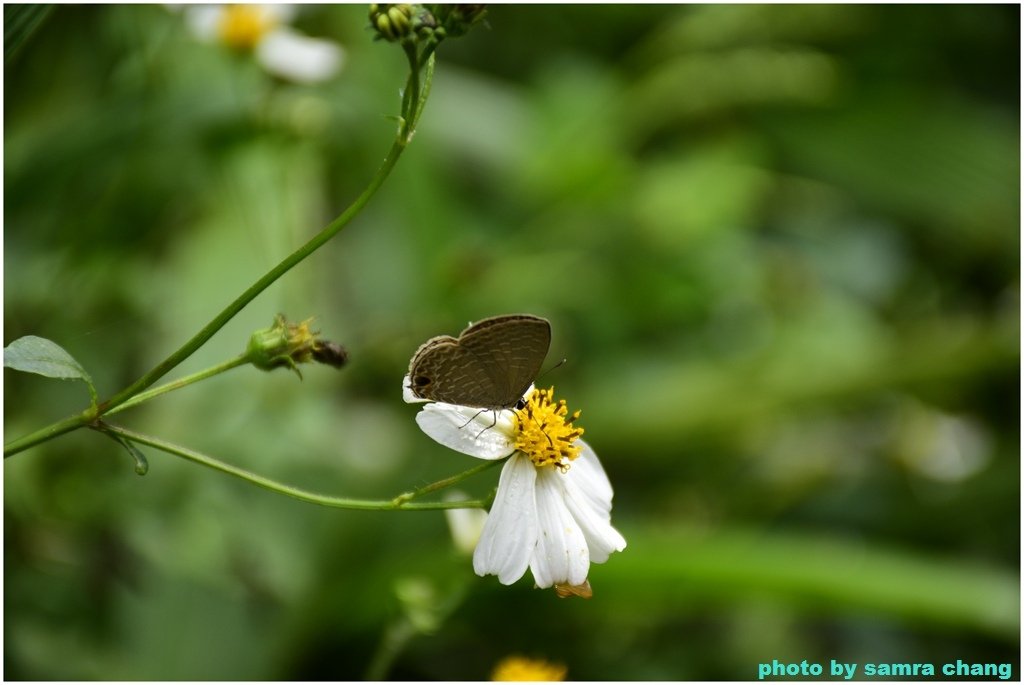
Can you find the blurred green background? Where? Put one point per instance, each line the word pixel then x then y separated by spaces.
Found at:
pixel 779 247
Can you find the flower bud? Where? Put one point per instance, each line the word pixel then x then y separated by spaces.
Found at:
pixel 405 23
pixel 287 344
pixel 457 20
pixel 392 22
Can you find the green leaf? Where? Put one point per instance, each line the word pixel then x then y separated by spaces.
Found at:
pixel 33 354
pixel 20 22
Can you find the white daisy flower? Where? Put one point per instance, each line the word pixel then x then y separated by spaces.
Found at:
pixel 552 512
pixel 264 30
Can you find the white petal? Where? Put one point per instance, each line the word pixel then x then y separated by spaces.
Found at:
pixel 280 14
pixel 562 555
pixel 602 539
pixel 588 495
pixel 293 56
pixel 204 20
pixel 587 473
pixel 510 533
pixel 468 430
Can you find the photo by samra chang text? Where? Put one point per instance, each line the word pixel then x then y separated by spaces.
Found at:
pixel 851 671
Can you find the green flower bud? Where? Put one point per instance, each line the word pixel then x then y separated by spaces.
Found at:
pixel 392 22
pixel 288 345
pixel 457 20
pixel 405 23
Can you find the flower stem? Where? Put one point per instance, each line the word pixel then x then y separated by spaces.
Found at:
pixel 448 482
pixel 89 415
pixel 398 503
pixel 49 432
pixel 290 261
pixel 182 382
pixel 396 636
pixel 412 108
pixel 259 286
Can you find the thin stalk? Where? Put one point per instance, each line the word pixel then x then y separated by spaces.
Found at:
pixel 218 322
pixel 45 433
pixel 448 482
pixel 410 116
pixel 329 231
pixel 89 416
pixel 240 360
pixel 398 503
pixel 396 637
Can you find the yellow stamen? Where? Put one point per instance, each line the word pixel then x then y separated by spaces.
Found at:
pixel 243 26
pixel 545 431
pixel 518 668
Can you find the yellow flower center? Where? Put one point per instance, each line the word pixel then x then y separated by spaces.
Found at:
pixel 522 669
pixel 243 26
pixel 544 431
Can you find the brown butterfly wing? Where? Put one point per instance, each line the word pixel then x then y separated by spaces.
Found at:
pixel 443 371
pixel 511 350
pixel 490 365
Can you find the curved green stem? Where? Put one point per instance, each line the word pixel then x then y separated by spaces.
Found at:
pixel 49 432
pixel 412 108
pixel 287 263
pixel 450 481
pixel 398 503
pixel 240 360
pixel 89 415
pixel 259 286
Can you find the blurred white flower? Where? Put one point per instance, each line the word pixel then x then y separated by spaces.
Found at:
pixel 552 511
pixel 466 525
pixel 264 30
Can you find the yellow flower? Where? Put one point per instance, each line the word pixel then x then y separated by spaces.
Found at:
pixel 519 668
pixel 244 26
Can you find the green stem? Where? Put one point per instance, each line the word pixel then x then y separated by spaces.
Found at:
pixel 240 360
pixel 398 503
pixel 448 482
pixel 396 637
pixel 259 286
pixel 49 432
pixel 89 415
pixel 410 118
pixel 290 261
pixel 410 95
pixel 428 58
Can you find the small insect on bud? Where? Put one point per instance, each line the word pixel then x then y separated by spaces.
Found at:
pixel 330 353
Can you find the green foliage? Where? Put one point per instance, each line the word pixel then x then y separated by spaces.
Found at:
pixel 20 22
pixel 33 354
pixel 779 248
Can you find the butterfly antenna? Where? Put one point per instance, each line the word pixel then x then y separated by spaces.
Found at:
pixel 547 371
